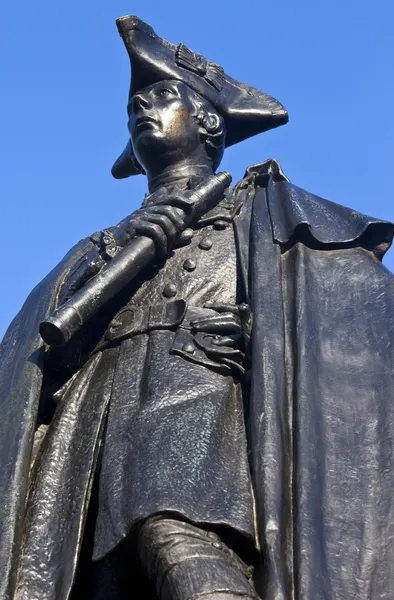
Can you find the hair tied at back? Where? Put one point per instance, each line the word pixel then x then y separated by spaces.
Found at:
pixel 211 122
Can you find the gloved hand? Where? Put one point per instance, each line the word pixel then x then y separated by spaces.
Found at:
pixel 162 221
pixel 227 334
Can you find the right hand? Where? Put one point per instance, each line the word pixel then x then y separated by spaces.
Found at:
pixel 162 222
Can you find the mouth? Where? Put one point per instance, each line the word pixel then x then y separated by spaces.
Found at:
pixel 145 122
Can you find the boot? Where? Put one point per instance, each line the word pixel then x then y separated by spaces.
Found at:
pixel 185 562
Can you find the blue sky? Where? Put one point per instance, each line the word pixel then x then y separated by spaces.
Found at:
pixel 65 76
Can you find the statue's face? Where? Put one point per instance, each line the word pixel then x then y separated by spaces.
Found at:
pixel 161 123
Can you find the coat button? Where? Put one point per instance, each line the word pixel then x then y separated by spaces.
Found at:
pixel 205 244
pixel 189 264
pixel 169 290
pixel 189 348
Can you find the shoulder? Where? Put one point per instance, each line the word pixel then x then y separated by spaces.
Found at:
pixel 258 175
pixel 300 216
pixel 44 294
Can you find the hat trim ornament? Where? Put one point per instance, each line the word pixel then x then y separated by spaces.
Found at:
pixel 197 63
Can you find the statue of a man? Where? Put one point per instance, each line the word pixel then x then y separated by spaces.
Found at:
pixel 223 427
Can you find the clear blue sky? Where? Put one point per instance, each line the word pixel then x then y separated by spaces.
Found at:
pixel 65 76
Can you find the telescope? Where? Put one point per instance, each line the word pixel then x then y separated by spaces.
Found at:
pixel 68 319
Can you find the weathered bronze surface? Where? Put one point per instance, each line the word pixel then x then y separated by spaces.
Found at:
pixel 197 402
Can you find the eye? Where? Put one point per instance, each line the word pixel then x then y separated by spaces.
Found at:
pixel 165 92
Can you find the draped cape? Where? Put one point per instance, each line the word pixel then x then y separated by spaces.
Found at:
pixel 320 413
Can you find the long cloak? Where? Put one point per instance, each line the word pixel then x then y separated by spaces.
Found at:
pixel 320 418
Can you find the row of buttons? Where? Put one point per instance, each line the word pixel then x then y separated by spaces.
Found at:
pixel 170 290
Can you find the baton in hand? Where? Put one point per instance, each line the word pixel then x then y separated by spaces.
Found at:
pixel 67 320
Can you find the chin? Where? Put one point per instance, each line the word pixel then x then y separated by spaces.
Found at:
pixel 148 135
pixel 149 144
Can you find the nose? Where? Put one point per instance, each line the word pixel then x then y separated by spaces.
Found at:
pixel 140 101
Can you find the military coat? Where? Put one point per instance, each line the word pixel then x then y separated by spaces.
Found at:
pixel 317 423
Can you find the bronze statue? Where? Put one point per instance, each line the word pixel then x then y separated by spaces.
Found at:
pixel 197 402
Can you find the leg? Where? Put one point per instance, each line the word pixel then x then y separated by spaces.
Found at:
pixel 185 562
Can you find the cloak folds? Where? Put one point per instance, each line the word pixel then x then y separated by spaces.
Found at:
pixel 21 360
pixel 320 420
pixel 321 407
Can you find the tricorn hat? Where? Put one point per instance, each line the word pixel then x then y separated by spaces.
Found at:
pixel 246 110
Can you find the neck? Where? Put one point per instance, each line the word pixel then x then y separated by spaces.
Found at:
pixel 184 175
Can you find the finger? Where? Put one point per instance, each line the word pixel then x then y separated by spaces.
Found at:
pixel 221 324
pixel 174 214
pixel 124 235
pixel 225 318
pixel 125 230
pixel 155 233
pixel 165 223
pixel 224 351
pixel 230 308
pixel 228 341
